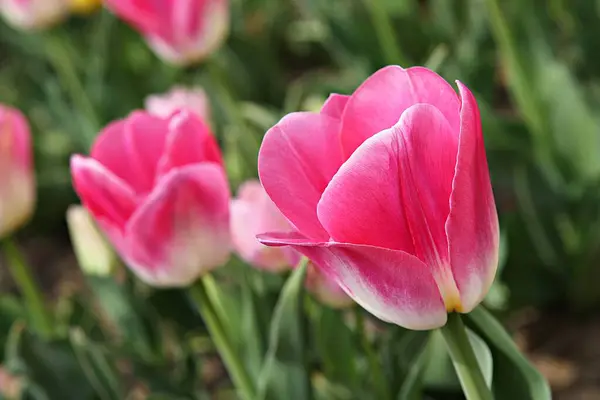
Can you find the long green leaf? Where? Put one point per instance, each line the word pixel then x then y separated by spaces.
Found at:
pixel 284 374
pixel 514 376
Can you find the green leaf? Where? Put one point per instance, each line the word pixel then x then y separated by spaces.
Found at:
pixel 284 371
pixel 336 345
pixel 514 376
pixel 99 370
pixel 412 387
pixel 120 309
pixel 48 367
pixel 440 373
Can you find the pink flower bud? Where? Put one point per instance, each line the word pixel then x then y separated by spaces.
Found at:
pixel 390 192
pixel 34 14
pixel 180 32
pixel 326 290
pixel 17 178
pixel 158 190
pixel 252 213
pixel 178 98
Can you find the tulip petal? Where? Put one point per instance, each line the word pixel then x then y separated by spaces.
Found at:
pixel 380 101
pixel 472 226
pixel 363 202
pixel 334 105
pixel 392 285
pixel 297 159
pixel 189 142
pixel 106 196
pixel 131 148
pixel 182 229
pixel 252 212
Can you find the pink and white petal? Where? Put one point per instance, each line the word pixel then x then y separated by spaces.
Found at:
pixel 472 226
pixel 298 157
pixel 131 148
pixel 105 196
pixel 392 285
pixel 189 141
pixel 181 231
pixel 380 101
pixel 334 105
pixel 363 203
pixel 427 149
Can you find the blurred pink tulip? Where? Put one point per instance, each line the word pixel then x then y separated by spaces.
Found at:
pixel 325 290
pixel 390 191
pixel 178 98
pixel 34 14
pixel 252 212
pixel 158 189
pixel 10 385
pixel 17 177
pixel 181 32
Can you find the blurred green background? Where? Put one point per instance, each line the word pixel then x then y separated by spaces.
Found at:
pixel 533 65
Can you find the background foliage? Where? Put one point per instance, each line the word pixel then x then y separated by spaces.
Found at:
pixel 534 68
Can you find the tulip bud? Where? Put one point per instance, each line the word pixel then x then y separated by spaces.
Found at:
pixel 94 254
pixel 180 32
pixel 34 14
pixel 325 290
pixel 158 190
pixel 17 179
pixel 252 212
pixel 178 98
pixel 390 193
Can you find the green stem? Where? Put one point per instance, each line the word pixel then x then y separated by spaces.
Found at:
pixel 385 32
pixel 464 360
pixel 374 365
pixel 222 341
pixel 21 273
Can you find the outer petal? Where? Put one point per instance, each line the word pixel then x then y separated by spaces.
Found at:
pixel 189 142
pixel 392 285
pixel 105 196
pixel 130 148
pixel 182 229
pixel 334 105
pixel 380 101
pixel 472 226
pixel 326 290
pixel 253 213
pixel 297 159
pixel 394 192
pixel 363 203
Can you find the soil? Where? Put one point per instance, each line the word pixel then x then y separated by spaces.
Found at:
pixel 566 349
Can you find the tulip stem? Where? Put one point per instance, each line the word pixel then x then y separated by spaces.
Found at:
pixel 374 365
pixel 222 341
pixel 39 315
pixel 464 360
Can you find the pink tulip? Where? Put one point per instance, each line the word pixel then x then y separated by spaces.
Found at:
pixel 17 178
pixel 158 190
pixel 34 14
pixel 325 289
pixel 178 98
pixel 181 32
pixel 252 212
pixel 390 191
